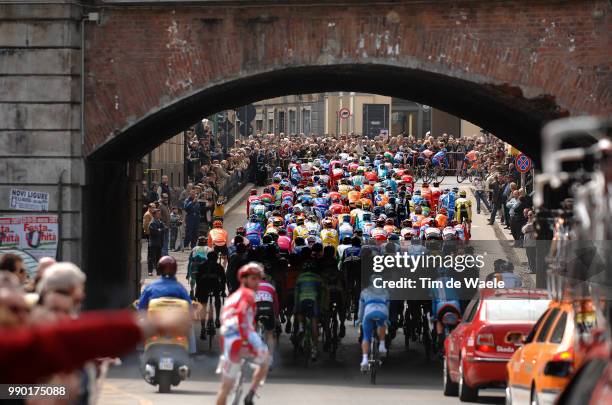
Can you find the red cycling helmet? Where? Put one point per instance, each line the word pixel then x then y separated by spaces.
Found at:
pixel 253 191
pixel 167 266
pixel 218 224
pixel 251 269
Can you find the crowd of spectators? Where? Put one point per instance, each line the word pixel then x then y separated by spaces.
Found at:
pixel 46 339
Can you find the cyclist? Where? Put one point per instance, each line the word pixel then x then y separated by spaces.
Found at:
pixel 217 239
pixel 308 297
pixel 439 158
pixel 254 231
pixel 329 236
pixel 252 198
pixel 211 281
pixel 197 257
pixel 267 313
pixel 373 310
pixel 238 336
pixel 335 285
pixel 463 211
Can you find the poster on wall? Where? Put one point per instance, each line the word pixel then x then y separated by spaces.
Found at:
pixel 27 200
pixel 35 234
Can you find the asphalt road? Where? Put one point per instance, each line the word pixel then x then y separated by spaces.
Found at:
pixel 406 376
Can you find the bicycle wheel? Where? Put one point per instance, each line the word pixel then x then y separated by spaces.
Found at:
pixel 375 362
pixel 471 176
pixel 440 174
pixel 236 393
pixel 334 336
pixel 461 175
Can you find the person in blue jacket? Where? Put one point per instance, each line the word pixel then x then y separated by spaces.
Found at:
pixel 192 219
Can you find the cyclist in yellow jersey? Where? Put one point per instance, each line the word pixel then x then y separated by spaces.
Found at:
pixel 463 210
pixel 329 236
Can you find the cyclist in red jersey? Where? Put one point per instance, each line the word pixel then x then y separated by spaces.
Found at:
pixel 238 336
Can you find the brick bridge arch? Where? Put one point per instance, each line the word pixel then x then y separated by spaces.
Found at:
pixel 153 68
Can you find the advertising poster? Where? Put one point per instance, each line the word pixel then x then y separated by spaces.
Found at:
pixel 35 234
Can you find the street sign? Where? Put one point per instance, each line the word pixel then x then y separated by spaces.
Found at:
pixel 522 163
pixel 344 113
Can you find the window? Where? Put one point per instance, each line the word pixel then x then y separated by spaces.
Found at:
pixel 292 122
pixel 557 333
pixel 259 125
pixel 471 311
pixel 271 125
pixel 306 122
pixel 281 121
pixel 515 309
pixel 535 328
pixel 547 324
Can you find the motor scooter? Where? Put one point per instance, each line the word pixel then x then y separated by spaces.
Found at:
pixel 165 361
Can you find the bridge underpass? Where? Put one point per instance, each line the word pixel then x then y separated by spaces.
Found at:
pixel 137 72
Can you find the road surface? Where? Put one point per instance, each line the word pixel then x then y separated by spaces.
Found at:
pixel 406 376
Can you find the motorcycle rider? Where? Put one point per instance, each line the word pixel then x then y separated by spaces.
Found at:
pixel 165 286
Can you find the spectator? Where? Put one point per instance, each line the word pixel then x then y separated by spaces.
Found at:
pixel 146 220
pixel 496 198
pixel 192 219
pixel 164 188
pixel 14 264
pixel 156 230
pixel 529 240
pixel 479 193
pixel 175 224
pixel 63 278
pixel 165 218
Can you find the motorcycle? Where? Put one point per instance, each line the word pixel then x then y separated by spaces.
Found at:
pixel 165 361
pixel 449 315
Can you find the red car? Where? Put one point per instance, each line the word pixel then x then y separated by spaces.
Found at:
pixel 493 325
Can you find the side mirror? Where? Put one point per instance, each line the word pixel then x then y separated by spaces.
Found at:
pixel 558 368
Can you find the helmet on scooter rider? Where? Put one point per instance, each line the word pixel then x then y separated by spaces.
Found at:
pixel 167 266
pixel 251 269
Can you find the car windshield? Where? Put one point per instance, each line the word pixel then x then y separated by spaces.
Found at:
pixel 515 309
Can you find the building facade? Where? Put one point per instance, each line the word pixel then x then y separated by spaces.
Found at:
pixel 291 115
pixel 167 159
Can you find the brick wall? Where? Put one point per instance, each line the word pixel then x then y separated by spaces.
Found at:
pixel 526 61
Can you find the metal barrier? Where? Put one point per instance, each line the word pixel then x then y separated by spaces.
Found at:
pixel 454 160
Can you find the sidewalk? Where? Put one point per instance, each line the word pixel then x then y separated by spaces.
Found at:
pixel 182 257
pixel 516 255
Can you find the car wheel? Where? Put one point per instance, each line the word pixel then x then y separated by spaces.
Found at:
pixel 466 393
pixel 533 398
pixel 450 388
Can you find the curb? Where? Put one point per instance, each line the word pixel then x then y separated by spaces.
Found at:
pixel 239 197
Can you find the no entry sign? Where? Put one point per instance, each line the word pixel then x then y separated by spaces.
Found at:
pixel 344 113
pixel 522 163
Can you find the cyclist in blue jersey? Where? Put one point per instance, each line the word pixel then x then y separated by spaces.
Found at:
pixel 373 313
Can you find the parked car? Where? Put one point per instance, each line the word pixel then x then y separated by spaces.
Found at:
pixel 543 366
pixel 493 326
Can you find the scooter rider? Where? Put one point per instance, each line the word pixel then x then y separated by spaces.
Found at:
pixel 165 286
